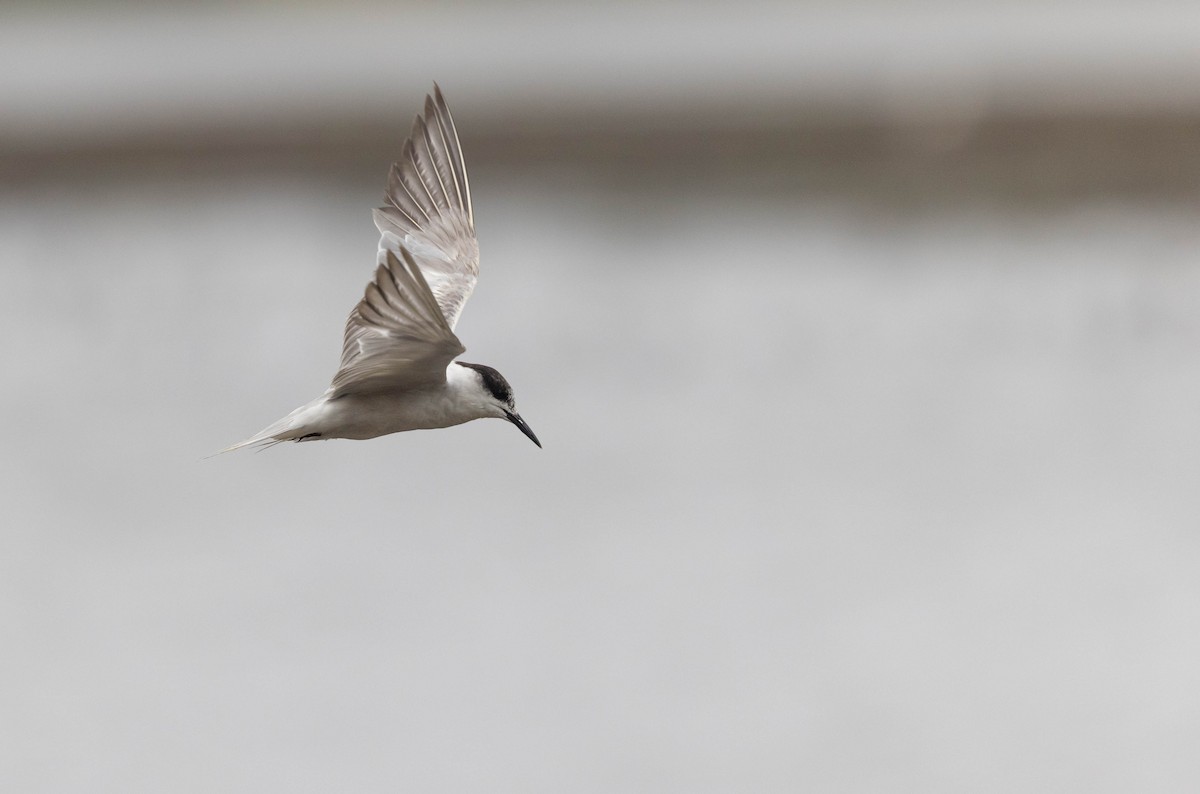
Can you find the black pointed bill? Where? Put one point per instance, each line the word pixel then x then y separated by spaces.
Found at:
pixel 523 427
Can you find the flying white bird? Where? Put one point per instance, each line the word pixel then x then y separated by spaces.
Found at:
pixel 398 370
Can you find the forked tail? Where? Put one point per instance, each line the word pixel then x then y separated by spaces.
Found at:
pixel 290 428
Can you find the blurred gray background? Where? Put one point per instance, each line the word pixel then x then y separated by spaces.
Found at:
pixel 861 338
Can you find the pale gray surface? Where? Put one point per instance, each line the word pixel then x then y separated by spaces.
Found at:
pixel 867 383
pixel 833 496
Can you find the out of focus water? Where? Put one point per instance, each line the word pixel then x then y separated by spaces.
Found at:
pixel 835 495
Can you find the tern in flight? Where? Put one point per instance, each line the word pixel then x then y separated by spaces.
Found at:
pixel 398 370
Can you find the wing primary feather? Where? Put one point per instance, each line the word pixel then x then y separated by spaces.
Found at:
pixel 410 152
pixel 427 165
pixel 412 182
pixel 386 280
pixel 393 293
pixel 430 177
pixel 456 149
pixel 369 308
pixel 435 164
pixel 392 199
pixel 402 179
pixel 426 172
pixel 442 153
pixel 428 212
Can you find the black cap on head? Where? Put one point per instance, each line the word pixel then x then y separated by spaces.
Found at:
pixel 493 381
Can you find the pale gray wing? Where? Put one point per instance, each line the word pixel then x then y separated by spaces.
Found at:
pixel 429 208
pixel 396 337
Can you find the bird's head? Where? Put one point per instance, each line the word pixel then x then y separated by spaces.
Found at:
pixel 492 396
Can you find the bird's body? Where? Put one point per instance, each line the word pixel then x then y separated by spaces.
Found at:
pixel 363 416
pixel 397 371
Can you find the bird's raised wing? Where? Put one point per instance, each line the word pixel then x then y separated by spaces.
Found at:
pixel 429 208
pixel 396 337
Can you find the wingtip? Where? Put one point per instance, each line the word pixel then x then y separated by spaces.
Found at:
pixel 439 101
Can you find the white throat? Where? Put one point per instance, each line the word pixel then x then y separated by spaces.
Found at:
pixel 466 393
